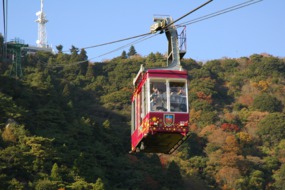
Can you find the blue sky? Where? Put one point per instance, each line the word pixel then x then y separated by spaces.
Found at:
pixel 258 28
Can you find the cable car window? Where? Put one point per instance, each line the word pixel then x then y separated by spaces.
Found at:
pixel 158 98
pixel 178 97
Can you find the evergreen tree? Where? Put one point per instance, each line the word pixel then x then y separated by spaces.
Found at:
pixel 74 53
pixel 59 48
pixel 54 175
pixel 124 55
pixel 132 51
pixel 82 55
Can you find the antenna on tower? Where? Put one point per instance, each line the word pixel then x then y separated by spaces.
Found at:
pixel 42 37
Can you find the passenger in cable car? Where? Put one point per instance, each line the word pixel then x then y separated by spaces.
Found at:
pixel 153 98
pixel 158 98
pixel 178 97
pixel 181 91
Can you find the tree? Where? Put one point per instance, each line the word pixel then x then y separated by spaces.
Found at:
pixel 227 177
pixel 279 177
pixel 74 53
pixel 82 55
pixel 271 129
pixel 41 149
pixel 55 176
pixel 44 184
pixel 124 55
pixel 99 185
pixel 132 51
pixel 59 48
pixel 266 102
pixel 256 180
pixel 151 58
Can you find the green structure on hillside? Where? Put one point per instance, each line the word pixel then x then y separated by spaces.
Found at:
pixel 14 49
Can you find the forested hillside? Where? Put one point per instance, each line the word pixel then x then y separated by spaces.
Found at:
pixel 66 125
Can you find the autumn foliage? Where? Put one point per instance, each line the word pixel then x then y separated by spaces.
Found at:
pixel 230 127
pixel 66 125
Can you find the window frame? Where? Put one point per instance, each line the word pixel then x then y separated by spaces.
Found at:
pixel 167 84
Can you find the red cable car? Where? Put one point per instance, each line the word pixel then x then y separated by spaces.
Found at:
pixel 160 113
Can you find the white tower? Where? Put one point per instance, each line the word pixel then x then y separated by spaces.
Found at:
pixel 42 38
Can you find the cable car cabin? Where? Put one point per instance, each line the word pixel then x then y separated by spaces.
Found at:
pixel 160 112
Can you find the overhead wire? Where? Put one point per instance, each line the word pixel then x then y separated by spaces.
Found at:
pixel 127 45
pixel 220 12
pixel 199 19
pixel 5 23
pixel 4 17
pixel 192 11
pixel 149 33
pixel 116 41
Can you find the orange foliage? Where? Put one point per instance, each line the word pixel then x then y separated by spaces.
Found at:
pixel 227 177
pixel 201 95
pixel 207 130
pixel 194 115
pixel 215 158
pixel 231 144
pixel 193 128
pixel 230 127
pixel 229 117
pixel 230 159
pixel 218 137
pixel 252 121
pixel 245 100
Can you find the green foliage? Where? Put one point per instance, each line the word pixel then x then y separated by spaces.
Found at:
pixel 256 180
pixel 279 177
pixel 66 125
pixel 124 55
pixel 15 184
pixel 271 129
pixel 132 51
pixel 45 184
pixel 55 174
pixel 266 102
pixel 9 109
pixel 99 185
pixel 173 177
pixel 266 66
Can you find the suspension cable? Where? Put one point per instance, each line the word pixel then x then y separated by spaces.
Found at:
pixel 188 13
pixel 118 40
pixel 126 45
pixel 199 19
pixel 4 18
pixel 220 12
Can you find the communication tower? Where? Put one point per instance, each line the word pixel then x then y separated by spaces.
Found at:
pixel 42 37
